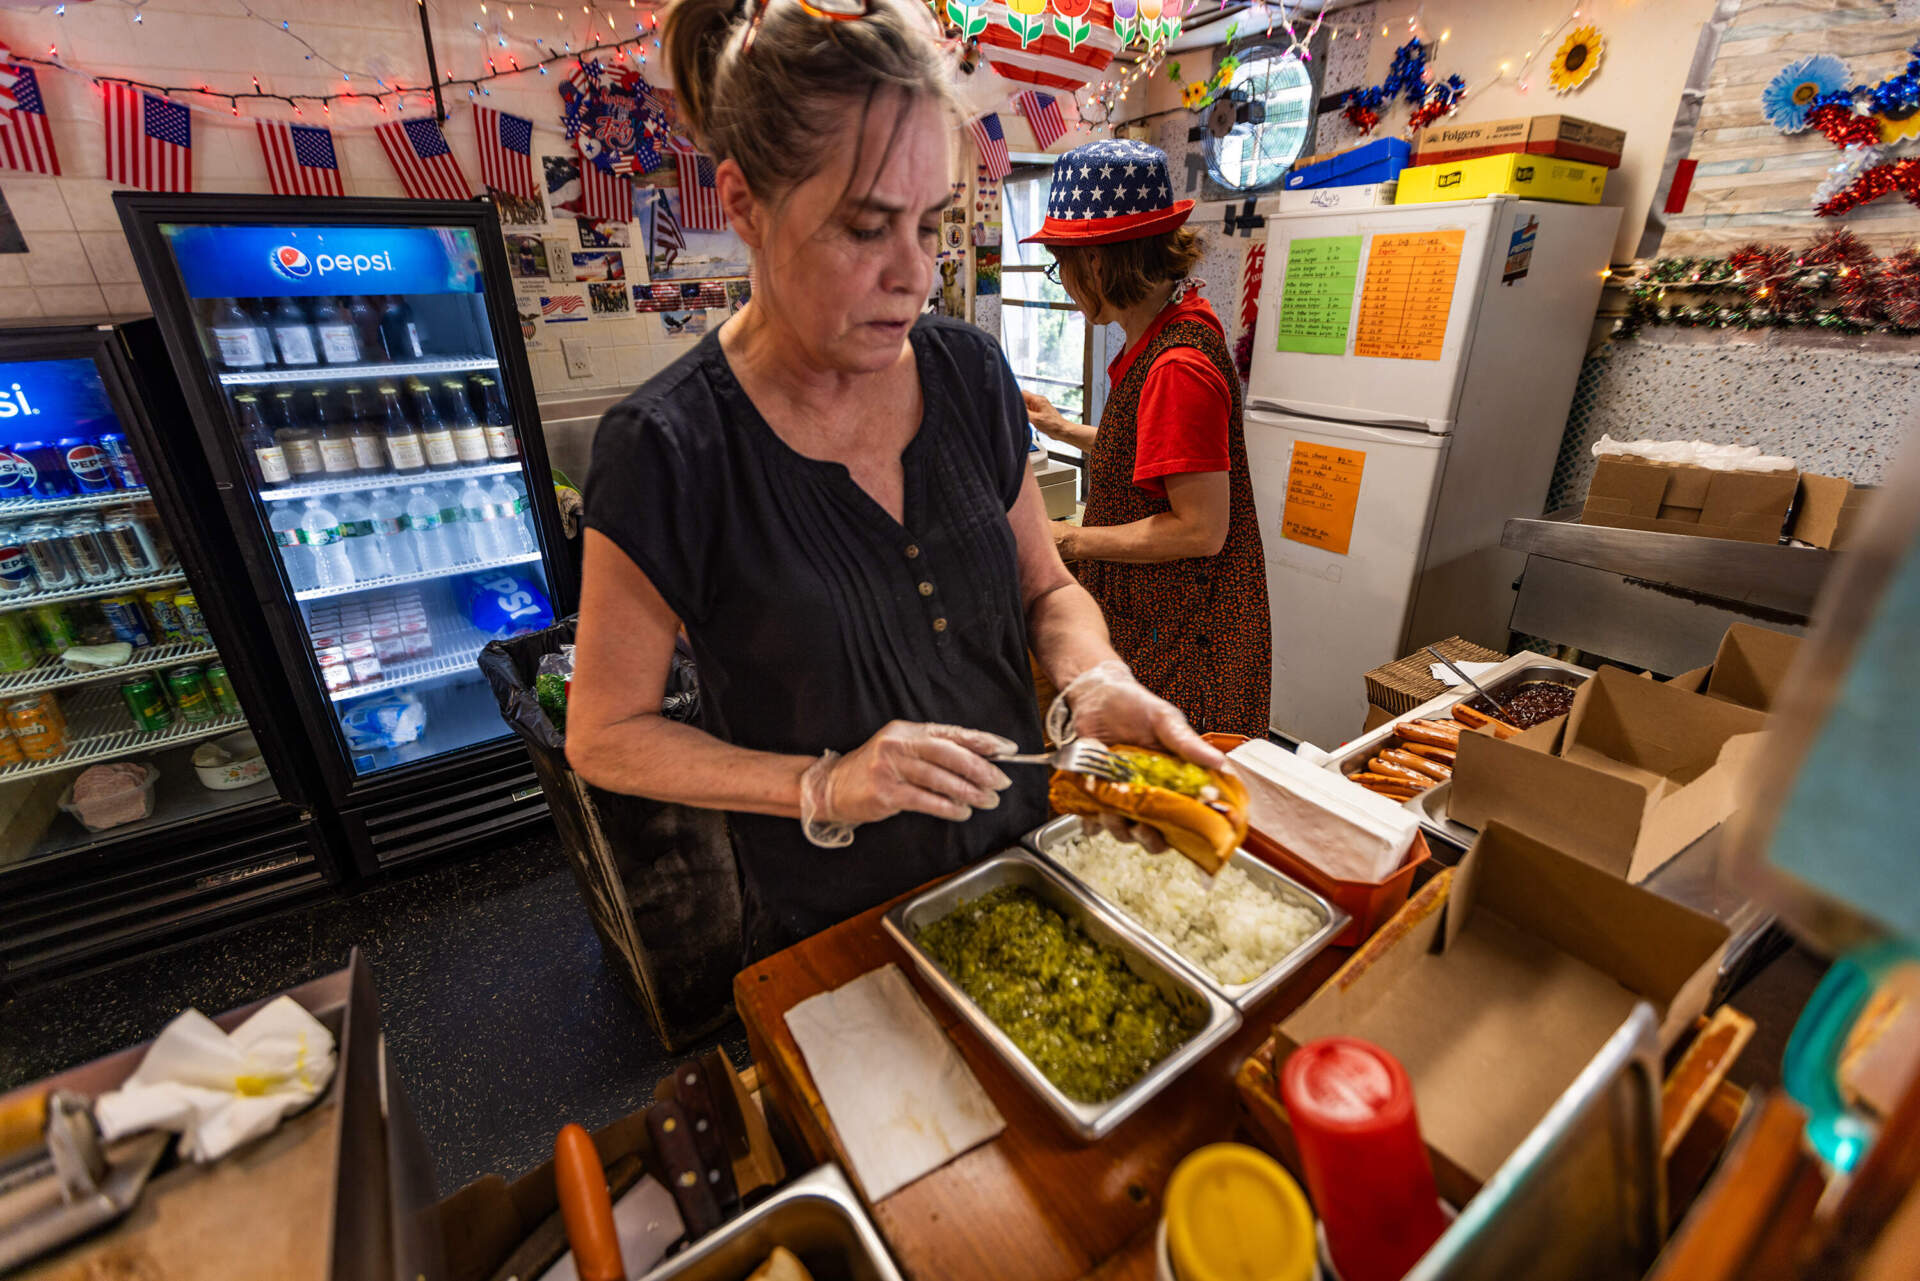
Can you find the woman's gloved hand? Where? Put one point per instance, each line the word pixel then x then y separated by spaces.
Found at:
pixel 940 770
pixel 1105 702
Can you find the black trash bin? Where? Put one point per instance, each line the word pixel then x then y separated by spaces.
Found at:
pixel 660 880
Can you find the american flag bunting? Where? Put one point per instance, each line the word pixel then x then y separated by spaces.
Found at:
pixel 506 152
pixel 149 140
pixel 991 139
pixel 301 160
pixel 1043 116
pixel 419 153
pixel 26 141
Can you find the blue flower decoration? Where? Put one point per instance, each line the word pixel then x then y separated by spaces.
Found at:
pixel 1794 92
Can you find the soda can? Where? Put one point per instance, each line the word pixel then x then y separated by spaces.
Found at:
pixel 222 690
pixel 16 567
pixel 16 475
pixel 188 688
pixel 52 564
pixel 132 546
pixel 126 467
pixel 38 726
pixel 55 628
pixel 147 702
pixel 17 650
pixel 129 624
pixel 90 466
pixel 165 616
pixel 49 477
pixel 10 753
pixel 86 542
pixel 192 621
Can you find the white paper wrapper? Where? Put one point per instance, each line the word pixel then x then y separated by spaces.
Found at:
pixel 1444 674
pixel 900 1096
pixel 1696 452
pixel 218 1090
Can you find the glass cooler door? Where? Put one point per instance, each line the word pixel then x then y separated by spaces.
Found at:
pixel 363 392
pixel 105 657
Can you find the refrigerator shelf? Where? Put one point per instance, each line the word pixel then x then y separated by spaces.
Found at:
pixel 391 480
pixel 87 591
pixel 376 369
pixel 457 663
pixel 99 728
pixel 53 674
pixel 418 576
pixel 11 508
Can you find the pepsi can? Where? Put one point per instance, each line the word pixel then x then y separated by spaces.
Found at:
pixel 126 467
pixel 90 466
pixel 50 476
pixel 132 546
pixel 48 553
pixel 16 567
pixel 16 475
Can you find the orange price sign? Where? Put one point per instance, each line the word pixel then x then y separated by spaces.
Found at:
pixel 1408 294
pixel 1323 492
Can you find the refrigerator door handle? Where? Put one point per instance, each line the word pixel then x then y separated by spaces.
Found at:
pixel 1344 414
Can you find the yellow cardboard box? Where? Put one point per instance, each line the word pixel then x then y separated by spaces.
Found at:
pixel 1526 176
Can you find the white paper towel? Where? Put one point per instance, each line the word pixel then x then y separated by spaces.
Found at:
pixel 900 1096
pixel 1444 674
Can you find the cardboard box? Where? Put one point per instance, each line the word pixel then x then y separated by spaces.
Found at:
pixel 1667 498
pixel 1370 195
pixel 1529 177
pixel 1496 1004
pixel 1749 670
pixel 1827 511
pixel 1376 161
pixel 1635 773
pixel 1564 137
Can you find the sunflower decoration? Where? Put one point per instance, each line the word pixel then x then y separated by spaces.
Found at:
pixel 1577 59
pixel 1789 98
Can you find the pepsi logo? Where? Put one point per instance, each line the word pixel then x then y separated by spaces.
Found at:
pixel 17 475
pixel 292 263
pixel 88 463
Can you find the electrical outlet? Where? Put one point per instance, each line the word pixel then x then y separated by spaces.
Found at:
pixel 579 356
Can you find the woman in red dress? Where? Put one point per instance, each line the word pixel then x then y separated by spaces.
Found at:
pixel 1169 545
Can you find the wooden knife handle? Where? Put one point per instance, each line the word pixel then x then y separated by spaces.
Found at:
pixel 673 1147
pixel 587 1207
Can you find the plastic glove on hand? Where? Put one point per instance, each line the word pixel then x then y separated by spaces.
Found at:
pixel 940 770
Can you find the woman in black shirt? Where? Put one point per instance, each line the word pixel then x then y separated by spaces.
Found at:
pixel 830 494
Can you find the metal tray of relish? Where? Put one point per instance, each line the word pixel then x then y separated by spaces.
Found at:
pixel 1213 1017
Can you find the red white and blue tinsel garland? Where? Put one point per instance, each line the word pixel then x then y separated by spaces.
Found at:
pixel 614 117
pixel 1408 79
pixel 1857 120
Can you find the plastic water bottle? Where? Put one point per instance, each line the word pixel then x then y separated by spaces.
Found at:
pixel 505 501
pixel 423 518
pixel 285 523
pixel 320 531
pixel 395 535
pixel 358 536
pixel 481 522
pixel 455 529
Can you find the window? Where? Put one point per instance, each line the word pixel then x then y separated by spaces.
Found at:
pixel 1045 338
pixel 1278 93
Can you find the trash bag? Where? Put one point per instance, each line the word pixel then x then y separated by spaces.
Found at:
pixel 660 881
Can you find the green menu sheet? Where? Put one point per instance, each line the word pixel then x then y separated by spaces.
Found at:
pixel 1316 296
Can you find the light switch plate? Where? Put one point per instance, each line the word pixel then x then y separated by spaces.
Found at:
pixel 579 357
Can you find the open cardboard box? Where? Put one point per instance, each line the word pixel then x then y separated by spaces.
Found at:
pixel 1496 1004
pixel 1749 670
pixel 1827 513
pixel 1635 773
pixel 1665 498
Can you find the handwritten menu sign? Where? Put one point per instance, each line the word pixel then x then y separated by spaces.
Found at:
pixel 1316 297
pixel 1409 290
pixel 1323 491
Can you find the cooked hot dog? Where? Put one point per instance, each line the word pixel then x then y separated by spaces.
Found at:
pixel 1474 719
pixel 1432 769
pixel 587 1207
pixel 1442 754
pixel 1430 733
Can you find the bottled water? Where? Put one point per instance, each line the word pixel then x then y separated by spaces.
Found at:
pixel 395 534
pixel 429 536
pixel 515 539
pixel 364 550
pixel 320 531
pixel 487 529
pixel 285 523
pixel 454 527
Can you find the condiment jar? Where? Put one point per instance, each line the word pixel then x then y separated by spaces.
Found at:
pixel 1233 1214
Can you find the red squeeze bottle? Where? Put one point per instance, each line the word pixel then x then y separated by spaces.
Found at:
pixel 1351 1107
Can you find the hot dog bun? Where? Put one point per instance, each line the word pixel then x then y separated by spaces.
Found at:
pixel 1204 827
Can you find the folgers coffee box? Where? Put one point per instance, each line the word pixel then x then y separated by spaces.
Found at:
pixel 1563 137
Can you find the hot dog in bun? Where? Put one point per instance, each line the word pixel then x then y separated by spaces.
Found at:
pixel 1201 812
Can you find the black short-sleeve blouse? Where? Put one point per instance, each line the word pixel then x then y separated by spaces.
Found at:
pixel 816 618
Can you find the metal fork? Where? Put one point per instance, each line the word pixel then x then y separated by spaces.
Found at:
pixel 1081 756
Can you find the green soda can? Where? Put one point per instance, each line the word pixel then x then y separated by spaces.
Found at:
pixel 56 630
pixel 188 688
pixel 222 690
pixel 147 702
pixel 17 650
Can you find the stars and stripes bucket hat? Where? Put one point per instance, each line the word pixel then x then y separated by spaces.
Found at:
pixel 1107 191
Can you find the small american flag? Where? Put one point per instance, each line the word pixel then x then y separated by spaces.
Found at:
pixel 992 141
pixel 667 240
pixel 506 152
pixel 699 196
pixel 149 140
pixel 26 142
pixel 300 159
pixel 604 197
pixel 564 307
pixel 1043 116
pixel 419 153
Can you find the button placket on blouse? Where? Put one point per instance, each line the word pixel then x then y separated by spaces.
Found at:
pixel 924 586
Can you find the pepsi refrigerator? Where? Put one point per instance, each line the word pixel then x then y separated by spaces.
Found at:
pixel 148 790
pixel 358 391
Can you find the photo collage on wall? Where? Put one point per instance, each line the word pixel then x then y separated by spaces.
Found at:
pixel 706 269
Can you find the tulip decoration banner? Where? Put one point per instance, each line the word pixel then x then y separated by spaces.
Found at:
pixel 1024 20
pixel 968 15
pixel 1053 59
pixel 1070 22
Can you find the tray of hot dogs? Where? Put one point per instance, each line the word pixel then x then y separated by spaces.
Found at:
pixel 1410 760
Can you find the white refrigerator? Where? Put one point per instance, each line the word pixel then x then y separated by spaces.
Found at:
pixel 1412 371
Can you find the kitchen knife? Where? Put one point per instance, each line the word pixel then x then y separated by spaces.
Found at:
pixel 680 1163
pixel 694 1090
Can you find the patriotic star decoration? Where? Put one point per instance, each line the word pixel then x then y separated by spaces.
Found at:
pixel 1151 188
